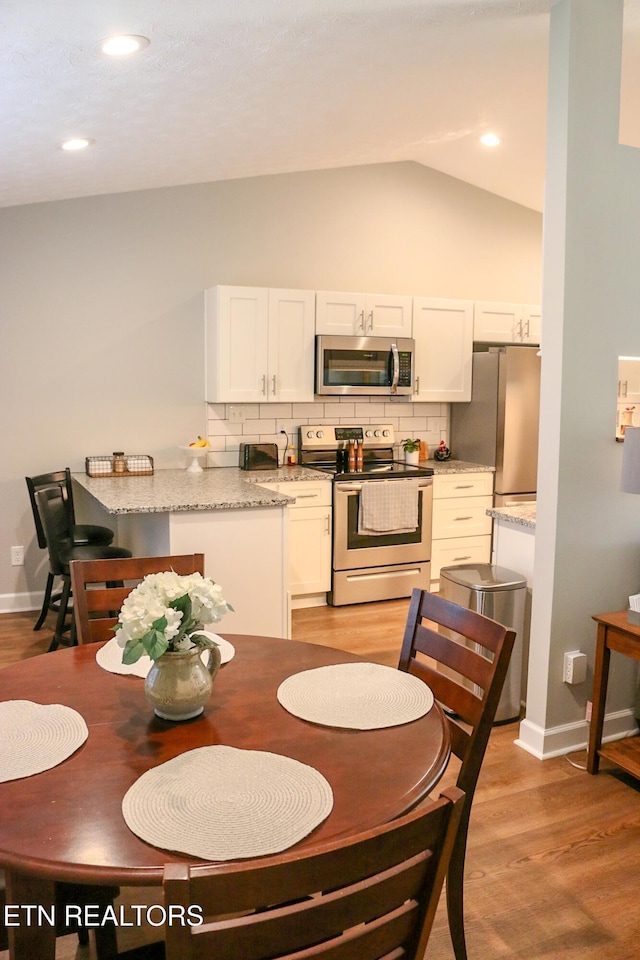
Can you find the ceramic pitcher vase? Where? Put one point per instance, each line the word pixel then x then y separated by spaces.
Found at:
pixel 179 684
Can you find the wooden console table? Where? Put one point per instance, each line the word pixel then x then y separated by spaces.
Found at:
pixel 614 633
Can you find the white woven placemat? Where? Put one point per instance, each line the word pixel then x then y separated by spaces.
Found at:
pixel 36 737
pixel 109 657
pixel 222 803
pixel 360 696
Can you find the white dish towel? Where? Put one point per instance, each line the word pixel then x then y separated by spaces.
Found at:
pixel 388 506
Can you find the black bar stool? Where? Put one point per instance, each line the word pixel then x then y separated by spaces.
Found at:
pixel 82 534
pixel 62 550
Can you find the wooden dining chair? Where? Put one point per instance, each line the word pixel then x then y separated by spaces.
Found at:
pixel 100 586
pixel 106 944
pixel 365 897
pixel 463 656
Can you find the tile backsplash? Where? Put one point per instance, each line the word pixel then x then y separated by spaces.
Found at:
pixel 262 422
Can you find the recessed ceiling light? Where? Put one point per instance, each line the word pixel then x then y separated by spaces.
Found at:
pixel 490 140
pixel 77 143
pixel 121 46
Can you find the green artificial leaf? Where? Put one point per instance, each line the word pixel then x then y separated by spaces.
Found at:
pixel 159 624
pixel 184 604
pixel 155 643
pixel 133 650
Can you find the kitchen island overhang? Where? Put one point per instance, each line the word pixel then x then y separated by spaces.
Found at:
pixel 240 527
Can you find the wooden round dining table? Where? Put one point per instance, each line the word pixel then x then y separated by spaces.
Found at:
pixel 66 823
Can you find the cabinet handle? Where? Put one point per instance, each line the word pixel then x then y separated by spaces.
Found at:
pixel 417 386
pixel 526 330
pixel 468 557
pixel 361 320
pixel 624 388
pixel 463 486
pixel 306 496
pixel 463 518
pixel 327 528
pixel 371 320
pixel 264 383
pixel 274 385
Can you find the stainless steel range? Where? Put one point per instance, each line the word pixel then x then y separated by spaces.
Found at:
pixel 391 557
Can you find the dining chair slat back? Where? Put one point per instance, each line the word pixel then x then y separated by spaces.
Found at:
pixel 463 656
pixel 360 898
pixel 100 587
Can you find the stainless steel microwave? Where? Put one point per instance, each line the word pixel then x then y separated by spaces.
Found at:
pixel 364 366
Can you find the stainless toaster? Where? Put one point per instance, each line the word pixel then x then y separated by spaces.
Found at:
pixel 258 456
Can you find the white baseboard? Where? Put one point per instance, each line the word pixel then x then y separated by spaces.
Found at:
pixel 309 600
pixel 570 737
pixel 20 602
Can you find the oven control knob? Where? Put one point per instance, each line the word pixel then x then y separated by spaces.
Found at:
pixel 377 433
pixel 320 434
pixel 386 433
pixel 310 434
pixel 368 433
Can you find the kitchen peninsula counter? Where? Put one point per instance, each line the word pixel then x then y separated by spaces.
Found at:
pixel 522 515
pixel 224 513
pixel 221 488
pixel 444 467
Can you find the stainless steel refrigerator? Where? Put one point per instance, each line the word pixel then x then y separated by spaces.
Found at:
pixel 499 426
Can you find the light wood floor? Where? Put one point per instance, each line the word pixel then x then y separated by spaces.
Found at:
pixel 553 861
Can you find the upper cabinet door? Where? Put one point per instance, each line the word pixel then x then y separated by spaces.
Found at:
pixel 443 331
pixel 236 343
pixel 531 323
pixel 363 314
pixel 291 345
pixel 340 314
pixel 259 345
pixel 507 323
pixel 388 316
pixel 497 322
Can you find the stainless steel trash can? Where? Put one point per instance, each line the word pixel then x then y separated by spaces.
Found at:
pixel 500 594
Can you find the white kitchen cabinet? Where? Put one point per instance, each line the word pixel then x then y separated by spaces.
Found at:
pixel 363 314
pixel 259 345
pixel 507 322
pixel 308 537
pixel 628 380
pixel 443 332
pixel 461 529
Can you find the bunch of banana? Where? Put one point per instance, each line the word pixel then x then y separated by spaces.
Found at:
pixel 200 442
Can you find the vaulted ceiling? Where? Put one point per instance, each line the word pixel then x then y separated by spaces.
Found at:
pixel 240 88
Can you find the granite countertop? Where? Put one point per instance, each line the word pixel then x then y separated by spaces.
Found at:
pixel 524 515
pixel 218 488
pixel 458 466
pixel 167 491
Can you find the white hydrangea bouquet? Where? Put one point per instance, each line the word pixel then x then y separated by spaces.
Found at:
pixel 163 613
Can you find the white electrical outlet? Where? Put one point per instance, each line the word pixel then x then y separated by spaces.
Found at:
pixel 17 556
pixel 236 413
pixel 575 667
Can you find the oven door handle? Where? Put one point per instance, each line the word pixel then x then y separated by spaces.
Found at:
pixel 357 487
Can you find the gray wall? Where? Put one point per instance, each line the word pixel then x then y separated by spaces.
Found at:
pixel 101 313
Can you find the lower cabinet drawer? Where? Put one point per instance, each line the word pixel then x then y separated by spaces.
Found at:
pixel 449 553
pixel 461 517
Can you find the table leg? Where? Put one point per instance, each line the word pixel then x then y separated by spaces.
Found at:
pixel 29 912
pixel 600 680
